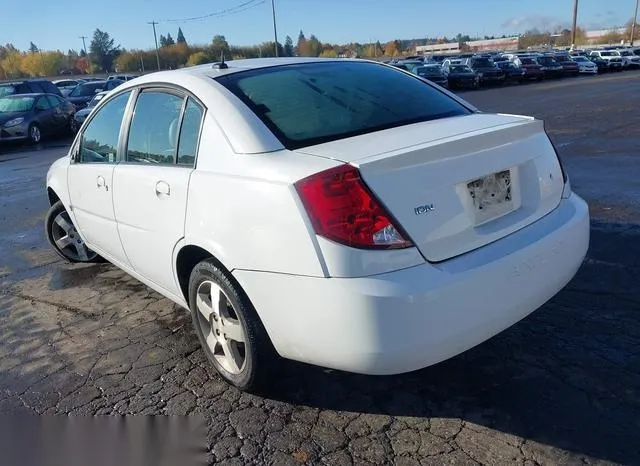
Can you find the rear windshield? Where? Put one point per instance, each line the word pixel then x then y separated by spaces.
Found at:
pixel 312 103
pixel 429 71
pixel 482 62
pixel 86 89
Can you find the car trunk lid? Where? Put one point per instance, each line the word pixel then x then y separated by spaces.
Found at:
pixel 459 183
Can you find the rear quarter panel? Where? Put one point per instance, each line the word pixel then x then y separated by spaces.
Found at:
pixel 243 208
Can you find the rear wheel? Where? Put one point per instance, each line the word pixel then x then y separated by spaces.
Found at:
pixel 228 327
pixel 64 238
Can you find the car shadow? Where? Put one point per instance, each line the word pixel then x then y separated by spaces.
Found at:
pixel 567 376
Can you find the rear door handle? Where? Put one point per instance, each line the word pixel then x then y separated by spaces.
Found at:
pixel 163 189
pixel 101 183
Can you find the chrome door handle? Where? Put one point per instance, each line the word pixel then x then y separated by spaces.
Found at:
pixel 163 189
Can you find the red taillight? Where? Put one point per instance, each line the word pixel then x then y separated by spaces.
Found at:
pixel 342 209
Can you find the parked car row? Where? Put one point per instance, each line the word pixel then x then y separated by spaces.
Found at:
pixel 33 108
pixel 497 68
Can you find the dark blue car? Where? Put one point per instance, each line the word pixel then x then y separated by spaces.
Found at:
pixel 32 116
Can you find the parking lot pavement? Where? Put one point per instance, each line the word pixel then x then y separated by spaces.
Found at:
pixel 560 387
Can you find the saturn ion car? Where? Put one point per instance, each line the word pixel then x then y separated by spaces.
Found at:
pixel 343 213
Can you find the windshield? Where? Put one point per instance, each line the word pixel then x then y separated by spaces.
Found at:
pixel 7 90
pixel 579 59
pixel 482 63
pixel 625 53
pixel 86 89
pixel 607 54
pixel 528 61
pixel 313 103
pixel 461 69
pixel 562 58
pixel 95 100
pixel 16 104
pixel 546 61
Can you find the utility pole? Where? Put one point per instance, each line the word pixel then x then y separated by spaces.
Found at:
pixel 84 44
pixel 275 31
pixel 155 38
pixel 575 24
pixel 633 25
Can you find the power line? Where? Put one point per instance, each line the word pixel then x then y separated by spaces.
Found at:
pixel 236 9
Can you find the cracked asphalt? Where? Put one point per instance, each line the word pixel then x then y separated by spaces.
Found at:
pixel 560 387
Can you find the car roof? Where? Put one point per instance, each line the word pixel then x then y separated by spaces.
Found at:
pixel 29 94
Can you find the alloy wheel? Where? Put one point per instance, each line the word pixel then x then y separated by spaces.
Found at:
pixel 221 327
pixel 66 238
pixel 35 134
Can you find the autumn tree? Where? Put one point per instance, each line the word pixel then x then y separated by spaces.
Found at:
pixel 627 31
pixel 12 61
pixel 103 50
pixel 392 49
pixel 41 64
pixel 611 37
pixel 198 58
pixel 288 47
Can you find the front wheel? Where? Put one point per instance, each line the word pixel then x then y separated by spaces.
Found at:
pixel 228 327
pixel 35 135
pixel 64 238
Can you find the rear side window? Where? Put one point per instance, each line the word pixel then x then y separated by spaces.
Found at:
pixel 190 133
pixel 312 103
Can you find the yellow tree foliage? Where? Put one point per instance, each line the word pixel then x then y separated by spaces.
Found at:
pixel 41 63
pixel 329 53
pixel 12 64
pixel 198 58
pixel 127 61
pixel 391 49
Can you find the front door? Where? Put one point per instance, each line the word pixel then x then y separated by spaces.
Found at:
pixel 90 180
pixel 153 181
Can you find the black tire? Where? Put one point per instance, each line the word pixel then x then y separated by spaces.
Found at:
pixel 67 253
pixel 34 129
pixel 260 358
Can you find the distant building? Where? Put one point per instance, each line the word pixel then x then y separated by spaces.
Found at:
pixel 451 47
pixel 595 36
pixel 507 43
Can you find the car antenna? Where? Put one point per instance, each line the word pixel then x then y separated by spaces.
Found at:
pixel 221 65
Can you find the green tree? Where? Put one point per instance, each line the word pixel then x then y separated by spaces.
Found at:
pixel 288 47
pixel 301 46
pixel 163 41
pixel 180 39
pixel 103 50
pixel 218 47
pixel 33 48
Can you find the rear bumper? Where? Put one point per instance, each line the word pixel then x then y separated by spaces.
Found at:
pixel 409 319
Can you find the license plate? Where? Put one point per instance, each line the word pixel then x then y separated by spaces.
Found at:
pixel 491 195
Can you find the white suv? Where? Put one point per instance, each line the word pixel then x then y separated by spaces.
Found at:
pixel 343 213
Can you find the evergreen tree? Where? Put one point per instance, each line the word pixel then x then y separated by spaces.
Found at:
pixel 181 39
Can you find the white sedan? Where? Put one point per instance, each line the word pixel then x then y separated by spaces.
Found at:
pixel 586 66
pixel 342 213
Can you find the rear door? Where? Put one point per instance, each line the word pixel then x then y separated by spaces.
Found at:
pixel 59 116
pixel 45 115
pixel 151 184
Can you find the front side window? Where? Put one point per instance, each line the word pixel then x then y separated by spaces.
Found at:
pixel 99 142
pixel 153 135
pixel 54 101
pixel 312 103
pixel 43 104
